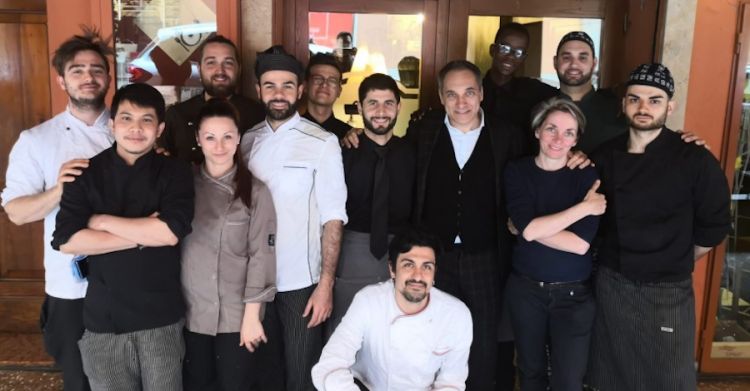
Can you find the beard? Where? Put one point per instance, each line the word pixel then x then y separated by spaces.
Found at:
pixel 414 297
pixel 221 91
pixel 279 115
pixel 655 124
pixel 95 102
pixel 568 81
pixel 381 130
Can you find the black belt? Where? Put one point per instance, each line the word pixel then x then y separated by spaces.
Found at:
pixel 542 284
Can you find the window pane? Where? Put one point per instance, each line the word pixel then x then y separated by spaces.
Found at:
pixel 156 43
pixel 545 34
pixel 390 44
pixel 732 335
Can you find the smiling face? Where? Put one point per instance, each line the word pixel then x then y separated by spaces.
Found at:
pixel 646 108
pixel 507 63
pixel 557 135
pixel 575 63
pixel 219 70
pixel 85 79
pixel 461 96
pixel 379 111
pixel 414 276
pixel 323 86
pixel 279 91
pixel 135 129
pixel 218 138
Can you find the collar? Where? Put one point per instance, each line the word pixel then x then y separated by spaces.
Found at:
pixel 397 313
pixel 140 162
pixel 661 140
pixel 586 97
pixel 311 118
pixel 101 123
pixel 455 130
pixel 225 181
pixel 289 124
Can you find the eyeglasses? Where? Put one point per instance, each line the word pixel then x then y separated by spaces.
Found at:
pixel 331 81
pixel 507 49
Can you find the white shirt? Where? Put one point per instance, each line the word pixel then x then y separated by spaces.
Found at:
pixel 387 350
pixel 464 142
pixel 300 163
pixel 33 167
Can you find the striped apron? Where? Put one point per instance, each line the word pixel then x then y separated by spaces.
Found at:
pixel 644 335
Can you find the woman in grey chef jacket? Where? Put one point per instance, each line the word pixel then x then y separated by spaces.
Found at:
pixel 228 261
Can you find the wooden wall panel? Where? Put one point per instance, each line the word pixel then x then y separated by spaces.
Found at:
pixel 20 314
pixel 24 102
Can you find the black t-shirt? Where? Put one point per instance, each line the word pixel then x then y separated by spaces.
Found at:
pixel 139 288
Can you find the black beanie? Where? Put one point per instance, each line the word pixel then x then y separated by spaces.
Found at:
pixel 654 75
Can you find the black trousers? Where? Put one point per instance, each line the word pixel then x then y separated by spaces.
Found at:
pixel 61 321
pixel 301 346
pixel 558 316
pixel 218 363
pixel 474 278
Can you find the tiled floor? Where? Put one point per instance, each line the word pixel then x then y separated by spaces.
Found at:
pixel 24 366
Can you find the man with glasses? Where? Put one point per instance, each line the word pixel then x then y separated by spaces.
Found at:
pixel 220 72
pixel 509 97
pixel 323 87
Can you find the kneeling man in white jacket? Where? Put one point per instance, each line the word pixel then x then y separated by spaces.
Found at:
pixel 402 334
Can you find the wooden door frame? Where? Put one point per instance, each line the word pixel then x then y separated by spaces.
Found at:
pixel 728 154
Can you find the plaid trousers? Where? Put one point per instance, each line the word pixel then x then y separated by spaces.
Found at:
pixel 474 278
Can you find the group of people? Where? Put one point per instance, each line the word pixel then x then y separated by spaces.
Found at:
pixel 231 244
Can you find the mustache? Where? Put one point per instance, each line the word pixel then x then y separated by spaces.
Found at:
pixel 424 284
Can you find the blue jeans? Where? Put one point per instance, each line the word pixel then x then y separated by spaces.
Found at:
pixel 558 316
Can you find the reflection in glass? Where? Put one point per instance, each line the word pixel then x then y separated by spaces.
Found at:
pixel 732 335
pixel 545 34
pixel 368 43
pixel 156 43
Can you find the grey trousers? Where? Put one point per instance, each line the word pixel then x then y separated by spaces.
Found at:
pixel 148 360
pixel 357 268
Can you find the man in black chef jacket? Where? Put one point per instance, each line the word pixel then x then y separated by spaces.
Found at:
pixel 127 212
pixel 668 206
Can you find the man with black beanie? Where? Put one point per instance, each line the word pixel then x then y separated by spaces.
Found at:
pixel 300 162
pixel 670 207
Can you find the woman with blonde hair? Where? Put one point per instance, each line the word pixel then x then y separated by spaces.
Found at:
pixel 555 210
